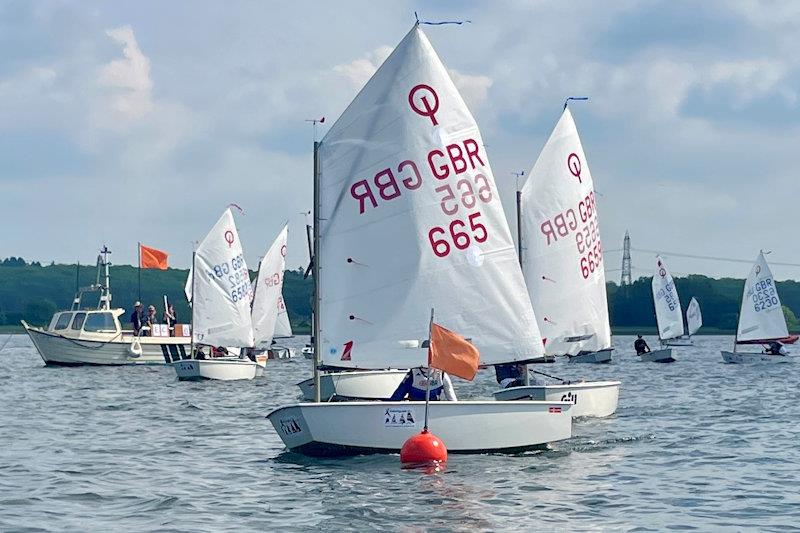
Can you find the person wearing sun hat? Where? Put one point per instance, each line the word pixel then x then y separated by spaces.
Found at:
pixel 136 318
pixel 150 319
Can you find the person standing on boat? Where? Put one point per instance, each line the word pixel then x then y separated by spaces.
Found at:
pixel 136 318
pixel 510 375
pixel 171 318
pixel 415 383
pixel 150 319
pixel 640 345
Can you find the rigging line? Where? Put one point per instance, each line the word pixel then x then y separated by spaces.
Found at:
pixel 5 343
pixel 711 258
pixel 441 23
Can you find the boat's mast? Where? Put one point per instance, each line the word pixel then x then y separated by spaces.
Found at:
pixel 106 290
pixel 527 378
pixel 191 305
pixel 315 269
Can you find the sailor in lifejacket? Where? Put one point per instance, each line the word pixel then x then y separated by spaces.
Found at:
pixel 776 348
pixel 415 383
pixel 640 345
pixel 510 375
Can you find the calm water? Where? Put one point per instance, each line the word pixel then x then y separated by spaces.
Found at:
pixel 695 444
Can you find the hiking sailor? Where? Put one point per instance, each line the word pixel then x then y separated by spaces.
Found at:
pixel 640 345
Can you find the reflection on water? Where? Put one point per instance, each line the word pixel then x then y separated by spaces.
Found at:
pixel 694 444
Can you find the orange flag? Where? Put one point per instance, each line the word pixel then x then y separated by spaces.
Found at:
pixel 452 353
pixel 152 258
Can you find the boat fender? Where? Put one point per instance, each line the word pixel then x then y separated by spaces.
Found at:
pixel 135 348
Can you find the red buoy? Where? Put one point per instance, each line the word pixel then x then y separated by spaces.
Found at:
pixel 423 448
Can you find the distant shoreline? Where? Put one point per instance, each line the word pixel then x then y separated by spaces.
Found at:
pixel 300 330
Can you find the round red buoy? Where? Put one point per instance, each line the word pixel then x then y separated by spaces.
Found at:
pixel 423 448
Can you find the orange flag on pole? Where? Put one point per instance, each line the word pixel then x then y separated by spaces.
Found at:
pixel 452 353
pixel 152 258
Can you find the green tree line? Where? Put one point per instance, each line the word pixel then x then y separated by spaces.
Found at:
pixel 33 292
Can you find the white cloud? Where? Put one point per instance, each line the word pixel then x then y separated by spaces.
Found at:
pixel 128 78
pixel 474 88
pixel 360 70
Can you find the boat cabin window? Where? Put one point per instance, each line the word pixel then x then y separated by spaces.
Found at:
pixel 100 322
pixel 78 322
pixel 63 321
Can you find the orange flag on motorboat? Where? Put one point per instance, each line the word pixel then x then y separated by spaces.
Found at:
pixel 152 258
pixel 452 353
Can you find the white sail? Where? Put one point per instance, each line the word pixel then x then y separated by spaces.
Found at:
pixel 411 220
pixel 761 316
pixel 283 328
pixel 187 288
pixel 221 307
pixel 694 318
pixel 668 306
pixel 268 299
pixel 562 257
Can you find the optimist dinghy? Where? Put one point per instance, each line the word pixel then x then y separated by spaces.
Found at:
pixel 761 319
pixel 591 399
pixel 354 385
pixel 407 217
pixel 694 320
pixel 220 288
pixel 560 250
pixel 668 314
pixel 269 316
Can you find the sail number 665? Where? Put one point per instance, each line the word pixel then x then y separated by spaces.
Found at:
pixel 456 234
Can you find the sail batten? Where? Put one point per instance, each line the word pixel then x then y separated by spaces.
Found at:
pixel 668 306
pixel 761 315
pixel 562 258
pixel 410 219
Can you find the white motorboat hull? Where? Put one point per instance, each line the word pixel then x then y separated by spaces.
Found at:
pixel 356 385
pixel 591 398
pixel 599 357
pixel 354 428
pixel 680 341
pixel 56 349
pixel 223 369
pixel 658 356
pixel 308 353
pixel 755 357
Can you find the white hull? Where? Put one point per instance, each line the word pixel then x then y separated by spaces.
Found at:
pixel 358 385
pixel 352 428
pixel 658 356
pixel 595 398
pixel 680 341
pixel 56 349
pixel 755 357
pixel 281 352
pixel 599 357
pixel 221 369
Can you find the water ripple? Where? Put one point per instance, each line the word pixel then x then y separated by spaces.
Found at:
pixel 694 445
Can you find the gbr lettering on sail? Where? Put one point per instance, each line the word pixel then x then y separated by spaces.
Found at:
pixel 578 223
pixel 457 171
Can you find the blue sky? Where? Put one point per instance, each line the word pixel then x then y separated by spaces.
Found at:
pixel 140 121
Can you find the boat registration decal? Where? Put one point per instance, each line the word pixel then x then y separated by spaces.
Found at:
pixel 289 426
pixel 570 397
pixel 399 417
